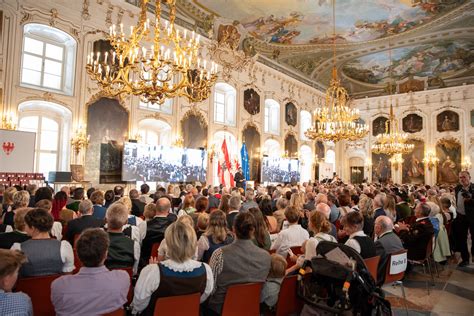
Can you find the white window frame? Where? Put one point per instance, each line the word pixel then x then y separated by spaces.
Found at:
pixel 69 46
pixel 166 107
pixel 229 106
pixel 304 127
pixel 272 117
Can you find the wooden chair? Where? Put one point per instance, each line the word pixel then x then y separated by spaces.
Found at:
pixel 39 290
pixel 372 265
pixel 396 278
pixel 242 299
pixel 288 300
pixel 118 312
pixel 154 249
pixel 178 305
pixel 426 261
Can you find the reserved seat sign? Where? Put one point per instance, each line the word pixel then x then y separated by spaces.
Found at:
pixel 398 263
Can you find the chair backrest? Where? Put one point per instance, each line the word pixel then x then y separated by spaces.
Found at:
pixel 242 299
pixel 391 277
pixel 372 265
pixel 178 305
pixel 288 301
pixel 154 249
pixel 39 290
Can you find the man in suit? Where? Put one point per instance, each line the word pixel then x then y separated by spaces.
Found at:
pixel 86 220
pixel 239 179
pixel 234 206
pixel 464 221
pixel 387 242
pixel 138 206
pixel 415 237
pixel 213 200
pixel 379 202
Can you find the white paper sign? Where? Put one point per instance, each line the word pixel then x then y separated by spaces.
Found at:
pixel 398 263
pixel 17 153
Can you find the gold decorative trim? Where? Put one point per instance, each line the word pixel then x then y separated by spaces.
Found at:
pixel 251 124
pixel 194 111
pixel 47 96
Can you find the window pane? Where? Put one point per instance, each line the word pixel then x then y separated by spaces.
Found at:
pixel 32 62
pixel 49 140
pixel 29 123
pixel 52 67
pixel 48 124
pixel 55 52
pixel 219 117
pixel 33 46
pixel 47 162
pixel 31 77
pixel 220 98
pixel 231 110
pixel 52 81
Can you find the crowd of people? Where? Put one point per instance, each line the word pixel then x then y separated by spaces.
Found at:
pixel 187 239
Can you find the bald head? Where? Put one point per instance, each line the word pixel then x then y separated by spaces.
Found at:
pixel 321 198
pixel 324 209
pixel 163 206
pixel 385 223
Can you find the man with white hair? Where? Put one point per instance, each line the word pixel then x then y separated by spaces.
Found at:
pixel 213 200
pixel 379 201
pixel 86 220
pixel 249 201
pixel 387 242
pixel 234 206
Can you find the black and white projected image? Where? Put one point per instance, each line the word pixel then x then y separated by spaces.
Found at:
pixel 161 163
pixel 280 170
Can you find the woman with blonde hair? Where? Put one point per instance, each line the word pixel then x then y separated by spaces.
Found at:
pixel 390 207
pixel 202 222
pixel 321 227
pixel 21 199
pixel 7 204
pixel 163 248
pixel 215 236
pixel 366 207
pixel 261 236
pixel 178 275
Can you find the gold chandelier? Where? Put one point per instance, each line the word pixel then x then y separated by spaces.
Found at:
pixel 336 120
pixel 154 65
pixel 393 141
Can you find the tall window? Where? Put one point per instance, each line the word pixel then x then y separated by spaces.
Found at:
pixel 166 107
pixel 272 117
pixel 305 123
pixel 51 124
pixel 48 59
pixel 271 148
pixel 224 104
pixel 306 163
pixel 155 132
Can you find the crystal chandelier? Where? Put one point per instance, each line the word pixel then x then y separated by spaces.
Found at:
pixel 336 120
pixel 155 62
pixel 393 141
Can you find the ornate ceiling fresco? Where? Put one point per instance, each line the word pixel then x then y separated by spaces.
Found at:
pixel 429 38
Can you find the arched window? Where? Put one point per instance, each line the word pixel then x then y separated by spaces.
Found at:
pixel 271 148
pixel 306 163
pixel 224 104
pixel 155 132
pixel 305 124
pixel 166 107
pixel 232 149
pixel 51 123
pixel 48 59
pixel 272 117
pixel 330 156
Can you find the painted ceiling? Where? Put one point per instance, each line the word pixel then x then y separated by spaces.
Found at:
pixel 428 38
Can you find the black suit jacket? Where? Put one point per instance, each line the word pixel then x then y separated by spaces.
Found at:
pixel 76 226
pixel 239 179
pixel 138 207
pixel 468 203
pixel 416 239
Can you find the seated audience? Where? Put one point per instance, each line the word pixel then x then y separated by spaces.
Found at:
pixel 234 207
pixel 249 200
pixel 379 202
pixel 138 206
pixel 179 275
pixel 239 262
pixel 97 199
pixel 261 236
pixel 21 199
pixel 132 219
pixel 123 252
pixel 188 206
pixel 118 192
pixel 367 211
pixel 402 208
pixel 109 198
pixel 279 214
pixel 293 236
pixel 77 196
pixel 214 202
pixel 202 223
pixel 7 200
pixel 224 204
pixel 321 228
pixel 12 303
pixel 215 236
pixel 19 235
pixel 86 220
pixel 271 287
pixel 358 240
pixel 57 229
pixel 94 290
pixel 387 242
pixel 265 206
pixel 45 255
pixel 324 209
pixel 153 231
pixel 150 211
pixel 415 237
